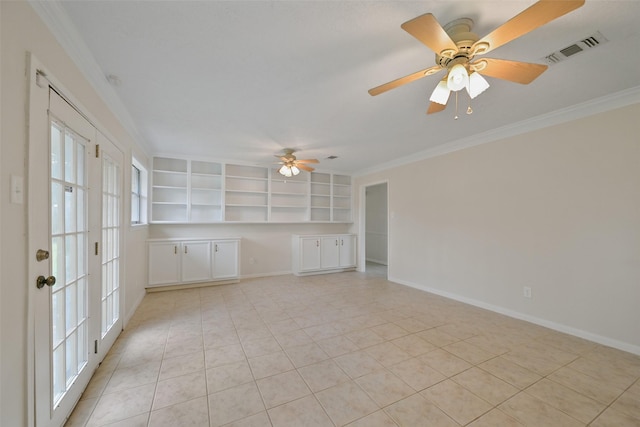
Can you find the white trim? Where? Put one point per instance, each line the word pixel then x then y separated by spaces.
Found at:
pixel 129 315
pixel 258 275
pixel 631 348
pixel 362 223
pixel 63 29
pixel 563 115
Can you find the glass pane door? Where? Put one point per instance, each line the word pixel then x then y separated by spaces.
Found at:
pixel 69 238
pixel 111 205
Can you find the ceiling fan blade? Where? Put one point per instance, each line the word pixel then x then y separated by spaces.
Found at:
pixel 428 30
pixel 514 71
pixel 307 161
pixel 434 107
pixel 404 80
pixel 305 167
pixel 535 16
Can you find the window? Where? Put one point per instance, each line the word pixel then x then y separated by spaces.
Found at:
pixel 138 193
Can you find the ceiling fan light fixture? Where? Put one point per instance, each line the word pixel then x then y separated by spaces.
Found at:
pixel 441 93
pixel 286 171
pixel 458 78
pixel 289 170
pixel 477 85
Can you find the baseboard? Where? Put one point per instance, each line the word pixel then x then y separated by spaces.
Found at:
pixel 258 275
pixel 377 261
pixel 610 342
pixel 131 312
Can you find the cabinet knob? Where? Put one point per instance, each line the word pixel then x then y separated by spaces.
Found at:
pixel 336 242
pixel 215 247
pixel 185 249
pixel 175 249
pixel 317 242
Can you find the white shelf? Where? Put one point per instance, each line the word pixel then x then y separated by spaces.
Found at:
pixel 195 191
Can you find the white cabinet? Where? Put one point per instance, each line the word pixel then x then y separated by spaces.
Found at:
pixel 164 263
pixel 176 262
pixel 308 256
pixel 330 252
pixel 195 261
pixel 225 259
pixel 347 250
pixel 323 253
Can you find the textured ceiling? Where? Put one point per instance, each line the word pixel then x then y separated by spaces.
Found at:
pixel 240 80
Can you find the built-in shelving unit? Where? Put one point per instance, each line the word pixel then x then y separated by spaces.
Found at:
pixel 289 198
pixel 341 198
pixel 246 193
pixel 197 191
pixel 170 194
pixel 320 196
pixel 206 191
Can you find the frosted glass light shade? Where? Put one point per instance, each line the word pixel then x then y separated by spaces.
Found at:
pixel 285 170
pixel 295 170
pixel 441 93
pixel 458 78
pixel 477 85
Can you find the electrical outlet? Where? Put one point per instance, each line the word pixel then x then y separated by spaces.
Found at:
pixel 526 292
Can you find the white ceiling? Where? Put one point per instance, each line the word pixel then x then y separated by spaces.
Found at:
pixel 240 80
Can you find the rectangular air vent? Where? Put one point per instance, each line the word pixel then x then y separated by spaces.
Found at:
pixel 588 43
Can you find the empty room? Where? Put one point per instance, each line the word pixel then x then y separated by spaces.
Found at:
pixel 319 213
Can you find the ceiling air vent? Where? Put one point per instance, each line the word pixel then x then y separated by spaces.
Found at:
pixel 583 45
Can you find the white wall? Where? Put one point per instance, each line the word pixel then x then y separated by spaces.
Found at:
pixel 556 209
pixel 265 248
pixel 376 223
pixel 21 31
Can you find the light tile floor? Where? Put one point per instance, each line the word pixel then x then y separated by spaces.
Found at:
pixel 349 349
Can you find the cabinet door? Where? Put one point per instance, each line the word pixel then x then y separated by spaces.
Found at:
pixel 347 251
pixel 330 252
pixel 225 259
pixel 309 253
pixel 164 263
pixel 196 261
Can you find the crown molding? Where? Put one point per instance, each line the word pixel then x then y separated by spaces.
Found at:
pixel 56 19
pixel 563 115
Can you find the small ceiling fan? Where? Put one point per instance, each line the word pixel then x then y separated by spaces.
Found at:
pixel 291 165
pixel 456 48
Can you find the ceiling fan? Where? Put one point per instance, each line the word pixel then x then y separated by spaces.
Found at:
pixel 456 48
pixel 291 165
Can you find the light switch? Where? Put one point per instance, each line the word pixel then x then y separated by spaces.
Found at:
pixel 17 189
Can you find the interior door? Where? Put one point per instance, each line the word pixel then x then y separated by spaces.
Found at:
pixel 68 302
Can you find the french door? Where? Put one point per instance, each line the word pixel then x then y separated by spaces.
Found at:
pixel 75 231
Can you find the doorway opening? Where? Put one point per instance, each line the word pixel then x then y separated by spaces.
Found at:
pixel 376 230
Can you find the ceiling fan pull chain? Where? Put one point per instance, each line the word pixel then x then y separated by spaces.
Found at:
pixel 456 116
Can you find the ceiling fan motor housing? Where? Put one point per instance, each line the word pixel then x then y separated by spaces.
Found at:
pixel 460 32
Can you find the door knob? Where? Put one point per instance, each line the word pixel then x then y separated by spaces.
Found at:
pixel 41 281
pixel 41 255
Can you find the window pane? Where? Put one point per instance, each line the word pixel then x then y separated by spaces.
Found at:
pixel 69 158
pixel 71 258
pixel 56 152
pixel 70 209
pixel 57 208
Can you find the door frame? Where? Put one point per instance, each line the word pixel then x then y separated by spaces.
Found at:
pixel 362 222
pixel 38 82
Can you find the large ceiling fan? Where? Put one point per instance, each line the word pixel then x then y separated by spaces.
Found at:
pixel 456 48
pixel 291 165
